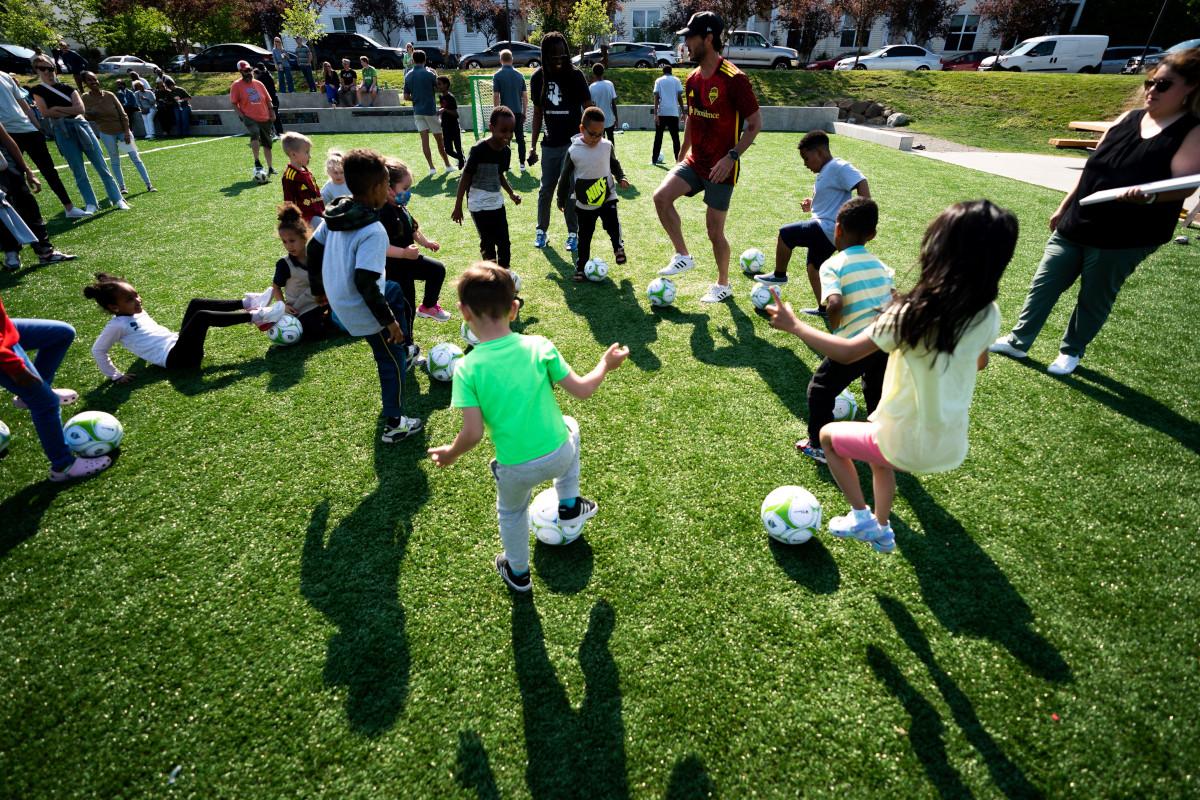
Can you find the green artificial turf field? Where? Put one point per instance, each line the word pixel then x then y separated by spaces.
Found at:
pixel 260 600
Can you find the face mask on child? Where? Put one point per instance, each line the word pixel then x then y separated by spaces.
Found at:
pixel 402 198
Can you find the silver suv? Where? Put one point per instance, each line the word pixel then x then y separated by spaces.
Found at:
pixel 751 49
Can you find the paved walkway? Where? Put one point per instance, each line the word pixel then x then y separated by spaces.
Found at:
pixel 1053 172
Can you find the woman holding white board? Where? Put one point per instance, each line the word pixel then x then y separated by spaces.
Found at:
pixel 1100 245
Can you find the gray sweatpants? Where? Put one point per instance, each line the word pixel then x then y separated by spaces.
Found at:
pixel 552 164
pixel 514 488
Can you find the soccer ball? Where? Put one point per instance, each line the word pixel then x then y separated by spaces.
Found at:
pixel 468 335
pixel 595 270
pixel 93 433
pixel 5 438
pixel 761 296
pixel 516 280
pixel 845 406
pixel 443 360
pixel 661 292
pixel 287 330
pixel 543 520
pixel 791 514
pixel 624 126
pixel 260 175
pixel 752 261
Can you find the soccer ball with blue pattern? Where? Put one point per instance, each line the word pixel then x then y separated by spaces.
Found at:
pixel 845 406
pixel 93 433
pixel 444 358
pixel 661 292
pixel 791 514
pixel 761 296
pixel 595 270
pixel 467 334
pixel 5 438
pixel 287 330
pixel 543 520
pixel 752 261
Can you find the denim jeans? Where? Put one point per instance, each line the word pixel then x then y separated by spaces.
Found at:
pixel 183 120
pixel 148 116
pixel 390 359
pixel 70 149
pixel 552 163
pixel 285 81
pixel 50 338
pixel 308 78
pixel 112 143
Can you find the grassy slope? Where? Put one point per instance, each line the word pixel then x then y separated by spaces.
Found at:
pixel 260 593
pixel 997 111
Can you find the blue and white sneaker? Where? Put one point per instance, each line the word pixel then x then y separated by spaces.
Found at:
pixel 886 542
pixel 540 239
pixel 572 241
pixel 865 529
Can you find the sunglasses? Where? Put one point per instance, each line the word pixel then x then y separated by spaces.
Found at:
pixel 1159 85
pixel 45 69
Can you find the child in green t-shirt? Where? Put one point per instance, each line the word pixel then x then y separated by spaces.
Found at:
pixel 505 384
pixel 369 89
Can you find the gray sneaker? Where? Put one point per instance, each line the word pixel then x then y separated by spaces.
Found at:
pixel 518 583
pixel 1005 348
pixel 770 277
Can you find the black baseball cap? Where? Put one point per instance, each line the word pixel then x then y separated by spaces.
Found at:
pixel 701 23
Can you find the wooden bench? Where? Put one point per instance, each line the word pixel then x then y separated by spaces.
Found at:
pixel 1076 144
pixel 1094 127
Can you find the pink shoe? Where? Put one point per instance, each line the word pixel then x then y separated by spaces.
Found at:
pixel 65 398
pixel 433 312
pixel 82 468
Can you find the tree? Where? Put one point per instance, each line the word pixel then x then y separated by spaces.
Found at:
pixel 488 18
pixel 812 19
pixel 28 23
pixel 550 15
pixel 1014 20
pixel 187 18
pixel 921 19
pixel 386 16
pixel 446 11
pixel 589 22
pixel 264 17
pixel 864 13
pixel 300 19
pixel 139 31
pixel 81 21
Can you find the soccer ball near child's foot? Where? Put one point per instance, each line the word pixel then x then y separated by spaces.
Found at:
pixel 845 406
pixel 595 270
pixel 752 261
pixel 516 280
pixel 467 334
pixel 260 175
pixel 543 520
pixel 661 292
pixel 791 514
pixel 287 330
pixel 443 360
pixel 93 433
pixel 761 296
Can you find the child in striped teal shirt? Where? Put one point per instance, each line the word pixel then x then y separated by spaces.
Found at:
pixel 855 287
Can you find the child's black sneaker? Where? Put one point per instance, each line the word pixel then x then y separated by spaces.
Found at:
pixel 572 519
pixel 395 429
pixel 518 583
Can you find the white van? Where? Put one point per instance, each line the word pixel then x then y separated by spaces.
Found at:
pixel 1065 53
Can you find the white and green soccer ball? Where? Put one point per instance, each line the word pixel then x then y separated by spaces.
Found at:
pixel 543 520
pixel 516 280
pixel 752 261
pixel 791 514
pixel 260 175
pixel 5 438
pixel 761 296
pixel 444 358
pixel 287 330
pixel 467 334
pixel 845 406
pixel 661 292
pixel 595 270
pixel 93 433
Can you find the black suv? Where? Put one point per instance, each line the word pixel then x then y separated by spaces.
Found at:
pixel 333 47
pixel 224 57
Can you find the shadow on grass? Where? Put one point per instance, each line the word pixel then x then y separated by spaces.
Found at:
pixel 965 589
pixel 570 753
pixel 234 189
pixel 22 512
pixel 565 569
pixel 690 781
pixel 349 574
pixel 474 772
pixel 784 373
pixel 1007 776
pixel 810 564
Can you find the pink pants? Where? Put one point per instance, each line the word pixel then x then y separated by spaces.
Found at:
pixel 857 441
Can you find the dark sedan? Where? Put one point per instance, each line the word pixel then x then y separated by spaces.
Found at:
pixel 827 63
pixel 524 55
pixel 15 59
pixel 224 57
pixel 967 62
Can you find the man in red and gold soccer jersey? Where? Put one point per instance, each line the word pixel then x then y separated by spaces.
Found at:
pixel 723 119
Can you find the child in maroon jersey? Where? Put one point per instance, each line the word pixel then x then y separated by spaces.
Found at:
pixel 298 184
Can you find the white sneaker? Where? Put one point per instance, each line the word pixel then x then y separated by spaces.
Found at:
pixel 267 316
pixel 90 210
pixel 121 205
pixel 1004 347
pixel 447 169
pixel 679 263
pixel 253 300
pixel 75 212
pixel 716 293
pixel 1063 365
pixel 432 172
pixel 524 169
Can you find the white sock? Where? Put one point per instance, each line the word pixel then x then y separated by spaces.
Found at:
pixel 862 514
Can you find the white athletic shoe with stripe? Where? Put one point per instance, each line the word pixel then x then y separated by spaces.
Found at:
pixel 679 263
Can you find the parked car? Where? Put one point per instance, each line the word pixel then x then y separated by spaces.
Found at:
pixel 620 54
pixel 333 47
pixel 664 53
pixel 1135 65
pixel 224 57
pixel 122 64
pixel 894 56
pixel 1065 53
pixel 967 62
pixel 751 49
pixel 524 55
pixel 827 63
pixel 14 58
pixel 1115 58
pixel 181 64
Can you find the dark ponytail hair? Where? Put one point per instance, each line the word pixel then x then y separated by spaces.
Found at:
pixel 963 255
pixel 105 289
pixel 291 219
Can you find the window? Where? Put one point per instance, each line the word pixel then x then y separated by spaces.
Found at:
pixel 963 28
pixel 849 33
pixel 426 27
pixel 646 25
pixel 1042 49
pixel 344 25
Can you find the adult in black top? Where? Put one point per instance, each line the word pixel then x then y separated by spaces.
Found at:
pixel 262 73
pixel 1102 244
pixel 69 62
pixel 348 91
pixel 560 94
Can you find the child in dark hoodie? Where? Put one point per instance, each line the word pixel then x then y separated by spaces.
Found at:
pixel 347 260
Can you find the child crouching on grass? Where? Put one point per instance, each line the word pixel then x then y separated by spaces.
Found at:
pixel 505 386
pixel 347 261
pixel 291 283
pixel 937 336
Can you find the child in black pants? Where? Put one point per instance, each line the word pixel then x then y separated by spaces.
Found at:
pixel 482 181
pixel 405 263
pixel 451 128
pixel 587 180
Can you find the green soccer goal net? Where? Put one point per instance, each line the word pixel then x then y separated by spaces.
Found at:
pixel 481 105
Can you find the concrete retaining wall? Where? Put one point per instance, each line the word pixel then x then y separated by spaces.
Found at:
pixel 875 135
